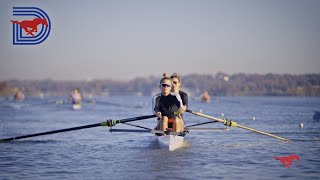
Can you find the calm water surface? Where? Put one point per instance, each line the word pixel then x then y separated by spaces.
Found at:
pixel 98 154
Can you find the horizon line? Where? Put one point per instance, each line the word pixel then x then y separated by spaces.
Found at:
pixel 152 76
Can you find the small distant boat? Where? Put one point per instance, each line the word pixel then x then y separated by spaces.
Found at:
pixel 76 106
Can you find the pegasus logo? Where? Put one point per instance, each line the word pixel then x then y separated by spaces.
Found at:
pixel 287 160
pixel 32 24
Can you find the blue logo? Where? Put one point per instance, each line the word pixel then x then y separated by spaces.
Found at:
pixel 25 31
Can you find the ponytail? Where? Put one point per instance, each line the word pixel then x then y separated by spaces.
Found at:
pixel 165 77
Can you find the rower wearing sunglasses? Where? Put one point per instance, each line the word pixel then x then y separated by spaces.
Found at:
pixel 165 104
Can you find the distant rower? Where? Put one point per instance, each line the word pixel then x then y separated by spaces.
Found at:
pixel 76 96
pixel 205 97
pixel 19 96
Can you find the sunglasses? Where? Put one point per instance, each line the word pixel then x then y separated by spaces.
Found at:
pixel 165 85
pixel 175 82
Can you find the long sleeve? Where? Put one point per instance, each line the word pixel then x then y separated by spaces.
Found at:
pixel 155 103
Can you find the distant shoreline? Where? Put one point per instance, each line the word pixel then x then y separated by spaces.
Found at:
pixel 220 84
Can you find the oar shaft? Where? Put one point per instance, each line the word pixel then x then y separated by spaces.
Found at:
pixel 240 126
pixel 114 122
pixel 261 132
pixel 51 132
pixel 105 123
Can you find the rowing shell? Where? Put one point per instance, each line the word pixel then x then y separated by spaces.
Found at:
pixel 170 142
pixel 76 106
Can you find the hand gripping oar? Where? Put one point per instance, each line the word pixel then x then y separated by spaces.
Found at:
pixel 232 123
pixel 108 123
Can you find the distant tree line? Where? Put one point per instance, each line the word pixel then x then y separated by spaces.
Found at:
pixel 220 84
pixel 257 85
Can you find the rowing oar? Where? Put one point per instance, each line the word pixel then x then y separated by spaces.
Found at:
pixel 232 123
pixel 108 123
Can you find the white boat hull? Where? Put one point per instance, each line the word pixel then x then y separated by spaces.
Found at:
pixel 170 142
pixel 76 106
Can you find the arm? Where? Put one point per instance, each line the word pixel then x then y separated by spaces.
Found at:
pixel 156 105
pixel 179 99
pixel 180 102
pixel 184 97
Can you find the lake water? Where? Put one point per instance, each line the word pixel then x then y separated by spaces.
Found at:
pixel 96 153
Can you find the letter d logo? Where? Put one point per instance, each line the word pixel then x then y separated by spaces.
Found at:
pixel 31 26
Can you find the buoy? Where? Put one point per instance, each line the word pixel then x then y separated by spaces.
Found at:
pixel 59 102
pixel 301 125
pixel 253 118
pixel 222 114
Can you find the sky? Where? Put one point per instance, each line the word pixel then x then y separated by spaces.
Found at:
pixel 124 39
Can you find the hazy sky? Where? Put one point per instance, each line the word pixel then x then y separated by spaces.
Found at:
pixel 125 39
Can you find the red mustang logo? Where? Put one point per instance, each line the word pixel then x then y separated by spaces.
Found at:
pixel 287 160
pixel 32 24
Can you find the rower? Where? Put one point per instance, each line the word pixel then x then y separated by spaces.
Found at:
pixel 19 96
pixel 205 97
pixel 76 96
pixel 176 83
pixel 165 104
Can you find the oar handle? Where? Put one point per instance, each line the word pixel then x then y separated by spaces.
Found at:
pixel 205 116
pixel 112 122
